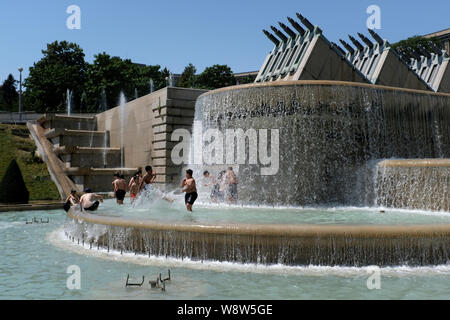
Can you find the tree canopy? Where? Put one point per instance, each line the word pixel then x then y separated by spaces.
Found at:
pixel 415 41
pixel 93 86
pixel 62 67
pixel 216 76
pixel 187 78
pixel 96 87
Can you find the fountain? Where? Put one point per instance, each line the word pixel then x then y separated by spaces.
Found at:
pixel 152 85
pixel 311 140
pixel 69 102
pixel 122 105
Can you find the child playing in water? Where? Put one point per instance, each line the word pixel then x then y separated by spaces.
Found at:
pixel 188 186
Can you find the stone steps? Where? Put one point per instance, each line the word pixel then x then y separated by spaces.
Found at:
pixel 81 138
pixel 56 121
pixel 87 157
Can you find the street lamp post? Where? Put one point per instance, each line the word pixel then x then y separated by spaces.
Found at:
pixel 20 95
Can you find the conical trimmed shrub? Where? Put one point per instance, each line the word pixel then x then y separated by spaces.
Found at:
pixel 12 187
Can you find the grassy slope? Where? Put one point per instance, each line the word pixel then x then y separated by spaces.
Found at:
pixel 15 144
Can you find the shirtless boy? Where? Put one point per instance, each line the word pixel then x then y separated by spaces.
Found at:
pixel 120 188
pixel 90 201
pixel 134 185
pixel 148 178
pixel 188 186
pixel 231 181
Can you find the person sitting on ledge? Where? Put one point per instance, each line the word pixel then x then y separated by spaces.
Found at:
pixel 72 200
pixel 120 188
pixel 188 186
pixel 90 201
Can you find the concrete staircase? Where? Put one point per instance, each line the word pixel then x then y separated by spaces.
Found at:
pixel 85 153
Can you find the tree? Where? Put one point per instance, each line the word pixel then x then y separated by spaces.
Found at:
pixel 9 95
pixel 112 75
pixel 217 76
pixel 415 41
pixel 187 78
pixel 12 187
pixel 62 67
pixel 247 79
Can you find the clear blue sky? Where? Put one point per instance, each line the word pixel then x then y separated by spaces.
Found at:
pixel 203 32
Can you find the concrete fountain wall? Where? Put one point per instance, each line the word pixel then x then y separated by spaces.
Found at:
pixel 414 184
pixel 266 244
pixel 332 134
pixel 144 126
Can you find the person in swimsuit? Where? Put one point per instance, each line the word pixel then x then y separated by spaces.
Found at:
pixel 231 182
pixel 188 186
pixel 72 200
pixel 90 201
pixel 220 185
pixel 209 181
pixel 134 185
pixel 120 188
pixel 148 178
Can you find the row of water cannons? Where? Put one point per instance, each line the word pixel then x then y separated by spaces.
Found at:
pixel 408 55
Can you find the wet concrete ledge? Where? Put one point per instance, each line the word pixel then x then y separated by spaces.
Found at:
pixel 444 162
pixel 31 206
pixel 299 230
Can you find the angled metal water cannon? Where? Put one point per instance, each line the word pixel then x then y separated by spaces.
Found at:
pixel 296 26
pixel 348 47
pixel 404 55
pixel 287 30
pixel 305 22
pixel 271 37
pixel 376 37
pixel 279 34
pixel 435 48
pixel 424 52
pixel 366 40
pixel 356 43
pixel 413 53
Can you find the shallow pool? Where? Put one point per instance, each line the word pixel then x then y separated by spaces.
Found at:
pixel 34 259
pixel 154 208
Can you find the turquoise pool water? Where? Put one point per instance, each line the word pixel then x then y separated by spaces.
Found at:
pixel 34 259
pixel 161 210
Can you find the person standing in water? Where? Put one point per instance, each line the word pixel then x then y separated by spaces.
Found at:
pixel 148 178
pixel 134 185
pixel 210 181
pixel 188 186
pixel 90 201
pixel 231 182
pixel 120 188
